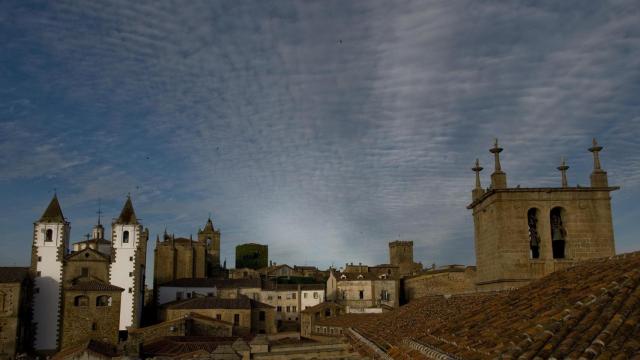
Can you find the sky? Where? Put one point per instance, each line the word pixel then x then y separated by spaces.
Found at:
pixel 324 129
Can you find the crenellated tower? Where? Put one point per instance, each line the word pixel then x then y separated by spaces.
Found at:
pixel 50 245
pixel 128 262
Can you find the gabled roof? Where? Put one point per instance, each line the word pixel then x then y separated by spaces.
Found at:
pixel 95 347
pixel 90 254
pixel 93 285
pixel 127 215
pixel 53 213
pixel 210 302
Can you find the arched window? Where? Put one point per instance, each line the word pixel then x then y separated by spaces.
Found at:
pixel 103 300
pixel 48 235
pixel 125 237
pixel 81 301
pixel 534 237
pixel 208 242
pixel 558 233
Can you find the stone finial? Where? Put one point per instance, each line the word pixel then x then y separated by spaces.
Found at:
pixel 563 170
pixel 477 191
pixel 498 178
pixel 595 149
pixel 598 176
pixel 496 150
pixel 477 170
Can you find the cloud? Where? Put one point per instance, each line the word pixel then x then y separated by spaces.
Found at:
pixel 323 129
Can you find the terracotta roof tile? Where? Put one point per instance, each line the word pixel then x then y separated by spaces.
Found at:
pixel 591 310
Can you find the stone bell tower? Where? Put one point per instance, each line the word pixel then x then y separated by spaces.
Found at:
pixel 525 233
pixel 50 245
pixel 210 236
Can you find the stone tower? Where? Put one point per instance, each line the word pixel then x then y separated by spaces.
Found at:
pixel 526 233
pixel 128 261
pixel 401 255
pixel 50 244
pixel 211 238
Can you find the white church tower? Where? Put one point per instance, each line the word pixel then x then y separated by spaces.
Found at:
pixel 129 253
pixel 50 244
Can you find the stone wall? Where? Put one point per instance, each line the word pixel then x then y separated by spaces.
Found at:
pixel 440 282
pixel 502 233
pixel 10 300
pixel 243 326
pixel 82 323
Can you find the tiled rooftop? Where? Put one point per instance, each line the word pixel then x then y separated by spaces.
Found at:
pixel 591 310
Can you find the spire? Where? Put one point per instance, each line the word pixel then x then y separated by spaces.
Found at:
pixel 53 213
pixel 498 178
pixel 99 212
pixel 598 176
pixel 563 170
pixel 477 191
pixel 127 215
pixel 208 227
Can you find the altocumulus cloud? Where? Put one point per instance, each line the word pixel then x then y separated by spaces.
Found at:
pixel 323 129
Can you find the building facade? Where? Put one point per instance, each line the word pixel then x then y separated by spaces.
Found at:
pixel 526 233
pixel 15 311
pixel 92 292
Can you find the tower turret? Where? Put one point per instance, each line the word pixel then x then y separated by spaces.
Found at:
pixel 129 252
pixel 477 191
pixel 211 237
pixel 50 245
pixel 563 170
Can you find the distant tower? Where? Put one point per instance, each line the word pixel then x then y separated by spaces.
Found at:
pixel 523 234
pixel 50 244
pixel 401 255
pixel 211 237
pixel 129 244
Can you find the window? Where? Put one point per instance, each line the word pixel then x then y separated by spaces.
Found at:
pixel 85 272
pixel 288 308
pixel 236 319
pixel 269 297
pixel 293 295
pixel 39 273
pixel 261 315
pixel 534 237
pixel 304 295
pixel 279 297
pixel 327 312
pixel 218 316
pixel 125 237
pixel 189 295
pixel 279 308
pixel 39 258
pixel 294 309
pixel 81 301
pixel 384 295
pixel 179 295
pixel 361 294
pixel 48 235
pixel 36 290
pixel 209 294
pixel 130 258
pixel 315 295
pixel 558 233
pixel 130 290
pixel 103 300
pixel 130 274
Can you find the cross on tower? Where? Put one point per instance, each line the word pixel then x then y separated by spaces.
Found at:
pixel 595 149
pixel 563 170
pixel 496 150
pixel 99 212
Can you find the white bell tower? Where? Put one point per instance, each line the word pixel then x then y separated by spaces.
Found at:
pixel 50 245
pixel 128 261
